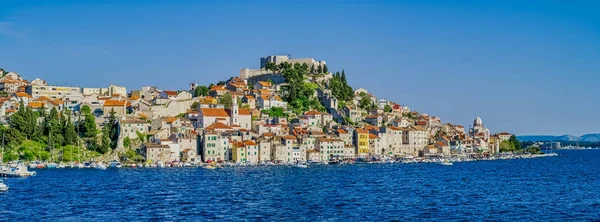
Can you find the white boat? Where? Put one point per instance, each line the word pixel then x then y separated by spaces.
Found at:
pixel 301 165
pixel 3 186
pixel 446 163
pixel 18 171
pixel 101 167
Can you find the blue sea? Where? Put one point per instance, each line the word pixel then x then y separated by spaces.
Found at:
pixel 566 187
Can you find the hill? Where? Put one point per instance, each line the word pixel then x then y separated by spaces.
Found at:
pixel 541 138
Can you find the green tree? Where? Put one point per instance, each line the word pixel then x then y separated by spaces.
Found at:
pixel 141 136
pixel 325 70
pixel 516 144
pixel 127 142
pixel 201 91
pixel 221 83
pixel 312 69
pixel 319 69
pixel 69 133
pixel 104 146
pixel 506 146
pixel 85 109
pixel 365 102
pixel 195 105
pixel 113 123
pixel 387 108
pixel 226 100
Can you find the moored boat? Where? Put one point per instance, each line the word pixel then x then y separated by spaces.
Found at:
pixel 3 187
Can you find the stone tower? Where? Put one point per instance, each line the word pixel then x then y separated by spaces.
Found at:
pixel 234 111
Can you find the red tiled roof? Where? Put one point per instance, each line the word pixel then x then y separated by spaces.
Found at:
pixel 170 93
pixel 112 102
pixel 218 125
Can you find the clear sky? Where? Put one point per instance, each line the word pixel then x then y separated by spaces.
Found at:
pixel 528 67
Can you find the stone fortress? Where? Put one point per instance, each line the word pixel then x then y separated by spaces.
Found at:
pixel 254 75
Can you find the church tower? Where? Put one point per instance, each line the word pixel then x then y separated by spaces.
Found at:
pixel 235 115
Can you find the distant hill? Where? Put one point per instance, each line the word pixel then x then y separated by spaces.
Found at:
pixel 595 137
pixel 540 138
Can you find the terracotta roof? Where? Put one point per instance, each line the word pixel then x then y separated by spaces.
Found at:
pixel 220 118
pixel 373 136
pixel 170 93
pixel 218 125
pixel 217 87
pixel 250 97
pixel 249 143
pixel 268 134
pixel 341 131
pixel 35 104
pixel 504 134
pixel 134 98
pixel 112 102
pixel 170 119
pixel 312 112
pixel 394 128
pixel 22 94
pixel 214 112
pixel 361 131
pixel 264 83
pixel 289 137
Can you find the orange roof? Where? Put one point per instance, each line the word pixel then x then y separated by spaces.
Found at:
pixel 217 87
pixel 214 112
pixel 312 112
pixel 289 137
pixel 504 134
pixel 112 102
pixel 394 128
pixel 11 111
pixel 249 143
pixel 268 134
pixel 22 94
pixel 170 93
pixel 373 136
pixel 264 83
pixel 218 125
pixel 134 98
pixel 341 131
pixel 249 97
pixel 35 104
pixel 170 119
pixel 244 111
pixel 361 131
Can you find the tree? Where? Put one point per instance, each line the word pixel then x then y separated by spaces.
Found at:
pixel 127 142
pixel 105 141
pixel 221 83
pixel 69 133
pixel 343 76
pixel 516 144
pixel 114 129
pixel 506 146
pixel 141 136
pixel 211 86
pixel 195 105
pixel 387 108
pixel 319 69
pixel 365 102
pixel 201 91
pixel 86 109
pixel 312 69
pixel 325 70
pixel 226 100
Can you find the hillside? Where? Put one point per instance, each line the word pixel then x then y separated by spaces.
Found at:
pixel 595 137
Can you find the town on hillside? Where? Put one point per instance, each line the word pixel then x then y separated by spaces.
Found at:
pixel 287 110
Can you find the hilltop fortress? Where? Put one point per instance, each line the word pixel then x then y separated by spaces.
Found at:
pixel 254 75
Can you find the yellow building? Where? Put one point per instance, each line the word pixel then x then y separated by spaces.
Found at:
pixel 238 152
pixel 362 141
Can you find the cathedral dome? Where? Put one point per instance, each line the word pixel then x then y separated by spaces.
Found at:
pixel 477 122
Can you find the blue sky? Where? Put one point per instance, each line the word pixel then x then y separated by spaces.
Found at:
pixel 528 67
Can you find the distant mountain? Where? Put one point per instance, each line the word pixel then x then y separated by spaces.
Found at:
pixel 595 137
pixel 540 138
